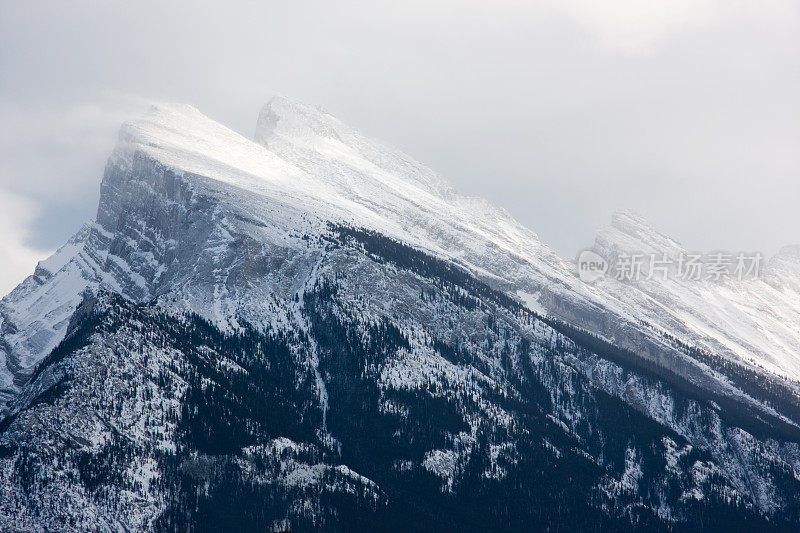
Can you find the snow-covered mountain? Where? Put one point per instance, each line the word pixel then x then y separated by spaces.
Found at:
pixel 752 320
pixel 315 323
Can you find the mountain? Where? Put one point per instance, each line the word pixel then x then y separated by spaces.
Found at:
pixel 753 320
pixel 310 330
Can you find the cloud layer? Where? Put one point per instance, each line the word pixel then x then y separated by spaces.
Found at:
pixel 18 258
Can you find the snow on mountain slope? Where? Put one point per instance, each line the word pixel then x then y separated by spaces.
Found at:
pixel 755 320
pixel 307 166
pixel 407 198
pixel 204 219
pixel 488 241
pixel 175 162
pixel 34 316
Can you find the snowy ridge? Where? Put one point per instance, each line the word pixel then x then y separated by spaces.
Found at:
pixel 307 169
pixel 34 316
pixel 754 320
pixel 284 189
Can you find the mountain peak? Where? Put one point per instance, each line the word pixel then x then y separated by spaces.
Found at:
pixel 790 252
pixel 631 232
pixel 315 140
pixel 288 117
pixel 184 139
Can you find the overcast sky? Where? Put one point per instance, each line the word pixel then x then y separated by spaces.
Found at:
pixel 561 112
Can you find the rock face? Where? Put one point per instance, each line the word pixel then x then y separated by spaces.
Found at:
pixel 313 331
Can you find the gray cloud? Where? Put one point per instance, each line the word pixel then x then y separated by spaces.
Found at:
pixel 685 111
